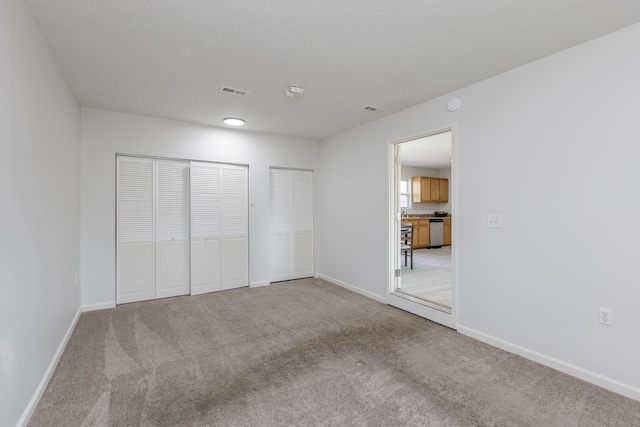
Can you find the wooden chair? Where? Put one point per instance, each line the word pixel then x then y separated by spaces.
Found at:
pixel 406 242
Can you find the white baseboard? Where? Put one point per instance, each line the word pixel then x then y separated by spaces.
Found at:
pixel 35 399
pixel 353 288
pixel 100 306
pixel 259 284
pixel 559 365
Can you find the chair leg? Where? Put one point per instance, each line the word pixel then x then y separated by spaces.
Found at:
pixel 411 258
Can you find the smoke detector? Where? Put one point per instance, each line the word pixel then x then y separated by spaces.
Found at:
pixel 293 91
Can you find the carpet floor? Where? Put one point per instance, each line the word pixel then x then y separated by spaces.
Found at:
pixel 303 353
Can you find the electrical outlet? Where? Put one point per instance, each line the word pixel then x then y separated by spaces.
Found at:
pixel 494 221
pixel 605 316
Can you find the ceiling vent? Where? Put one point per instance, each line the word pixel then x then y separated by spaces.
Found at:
pixel 370 108
pixel 232 91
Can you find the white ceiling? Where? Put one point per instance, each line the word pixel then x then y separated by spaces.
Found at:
pixel 168 58
pixel 430 152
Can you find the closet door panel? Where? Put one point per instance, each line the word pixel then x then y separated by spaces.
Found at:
pixel 235 232
pixel 280 256
pixel 205 259
pixel 172 268
pixel 234 262
pixel 172 228
pixel 135 275
pixel 281 205
pixel 302 262
pixel 302 242
pixel 205 228
pixel 291 212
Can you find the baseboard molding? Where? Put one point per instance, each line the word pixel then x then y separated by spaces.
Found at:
pixel 259 284
pixel 559 365
pixel 101 306
pixel 33 403
pixel 353 288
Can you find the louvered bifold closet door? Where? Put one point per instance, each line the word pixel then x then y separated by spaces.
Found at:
pixel 302 233
pixel 205 228
pixel 281 213
pixel 135 230
pixel 234 191
pixel 172 228
pixel 291 208
pixel 219 227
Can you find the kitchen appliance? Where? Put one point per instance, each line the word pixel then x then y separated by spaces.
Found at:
pixel 436 232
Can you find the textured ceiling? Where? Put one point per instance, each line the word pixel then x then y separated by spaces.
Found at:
pixel 168 58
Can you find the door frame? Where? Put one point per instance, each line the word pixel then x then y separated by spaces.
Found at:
pixel 402 301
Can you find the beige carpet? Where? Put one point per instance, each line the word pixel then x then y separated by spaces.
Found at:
pixel 302 353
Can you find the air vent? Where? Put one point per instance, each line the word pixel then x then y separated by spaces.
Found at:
pixel 232 91
pixel 370 108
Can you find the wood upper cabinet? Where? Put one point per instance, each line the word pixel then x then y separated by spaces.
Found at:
pixel 444 190
pixel 426 189
pixel 447 231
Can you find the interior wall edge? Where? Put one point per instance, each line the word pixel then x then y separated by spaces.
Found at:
pixel 35 399
pixel 352 288
pixel 557 364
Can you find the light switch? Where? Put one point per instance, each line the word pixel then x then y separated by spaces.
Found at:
pixel 494 221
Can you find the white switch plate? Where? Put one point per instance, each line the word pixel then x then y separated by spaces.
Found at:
pixel 494 221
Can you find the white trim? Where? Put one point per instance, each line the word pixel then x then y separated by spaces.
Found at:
pixel 35 399
pixel 259 284
pixel 99 306
pixel 393 257
pixel 353 288
pixel 559 365
pixel 422 310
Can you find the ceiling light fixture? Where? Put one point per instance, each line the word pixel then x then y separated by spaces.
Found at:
pixel 293 91
pixel 233 121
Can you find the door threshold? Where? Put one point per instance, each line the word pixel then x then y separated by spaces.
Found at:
pixel 422 301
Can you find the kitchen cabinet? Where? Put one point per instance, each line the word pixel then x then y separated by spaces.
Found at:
pixel 429 190
pixel 420 233
pixel 447 231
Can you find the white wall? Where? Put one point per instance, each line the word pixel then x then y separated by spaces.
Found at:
pixel 40 215
pixel 106 133
pixel 547 146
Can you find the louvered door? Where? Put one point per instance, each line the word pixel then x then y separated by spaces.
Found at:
pixel 135 235
pixel 302 232
pixel 291 211
pixel 235 231
pixel 205 228
pixel 219 227
pixel 172 228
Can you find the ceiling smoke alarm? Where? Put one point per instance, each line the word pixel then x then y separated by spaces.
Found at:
pixel 293 91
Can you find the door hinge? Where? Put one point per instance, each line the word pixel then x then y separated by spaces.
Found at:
pixel 397 274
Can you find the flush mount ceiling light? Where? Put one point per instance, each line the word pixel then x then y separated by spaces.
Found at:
pixel 233 121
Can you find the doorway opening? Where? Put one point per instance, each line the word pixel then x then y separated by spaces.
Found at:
pixel 423 213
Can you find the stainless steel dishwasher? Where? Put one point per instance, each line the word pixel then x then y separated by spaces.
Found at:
pixel 436 232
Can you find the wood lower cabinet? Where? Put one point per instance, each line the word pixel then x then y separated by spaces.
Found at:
pixel 447 231
pixel 420 233
pixel 429 190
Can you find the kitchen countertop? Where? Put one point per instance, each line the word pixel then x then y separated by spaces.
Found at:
pixel 419 217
